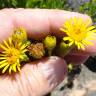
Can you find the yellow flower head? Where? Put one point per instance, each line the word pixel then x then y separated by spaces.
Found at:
pixel 12 55
pixel 78 32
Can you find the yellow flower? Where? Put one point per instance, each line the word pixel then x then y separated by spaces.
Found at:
pixel 78 32
pixel 12 55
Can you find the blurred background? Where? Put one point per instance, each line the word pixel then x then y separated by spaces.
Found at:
pixel 85 83
pixel 84 6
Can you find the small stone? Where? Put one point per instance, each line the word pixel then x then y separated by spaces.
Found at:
pixel 91 93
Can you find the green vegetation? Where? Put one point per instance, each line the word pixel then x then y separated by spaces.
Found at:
pixel 60 4
pixel 89 8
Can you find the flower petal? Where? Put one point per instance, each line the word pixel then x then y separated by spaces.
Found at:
pixel 5 68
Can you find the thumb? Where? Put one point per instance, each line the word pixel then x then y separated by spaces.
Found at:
pixel 36 79
pixel 46 75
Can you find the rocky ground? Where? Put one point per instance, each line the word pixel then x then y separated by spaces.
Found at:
pixel 75 4
pixel 84 85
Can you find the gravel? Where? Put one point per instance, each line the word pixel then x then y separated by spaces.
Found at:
pixel 84 85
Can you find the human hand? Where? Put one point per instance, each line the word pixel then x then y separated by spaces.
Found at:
pixel 38 77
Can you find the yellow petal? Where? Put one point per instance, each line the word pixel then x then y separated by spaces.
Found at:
pixel 10 41
pixel 67 25
pixel 25 50
pixel 67 38
pixel 88 42
pixel 14 67
pixel 71 43
pixel 80 21
pixel 78 46
pixel 5 69
pixel 20 44
pixel 22 47
pixel 82 46
pixel 90 28
pixel 1 58
pixel 93 30
pixel 18 67
pixel 3 47
pixel 75 20
pixel 2 65
pixel 10 69
pixel 6 44
pixel 2 55
pixel 63 30
pixel 3 61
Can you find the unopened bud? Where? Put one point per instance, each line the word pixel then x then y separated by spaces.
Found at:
pixel 63 49
pixel 19 35
pixel 50 43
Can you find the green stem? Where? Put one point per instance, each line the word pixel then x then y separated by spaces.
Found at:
pixel 49 52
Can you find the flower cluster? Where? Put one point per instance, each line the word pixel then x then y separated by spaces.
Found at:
pixel 20 49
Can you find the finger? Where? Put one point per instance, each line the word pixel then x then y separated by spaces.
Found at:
pixel 89 50
pixel 76 59
pixel 36 80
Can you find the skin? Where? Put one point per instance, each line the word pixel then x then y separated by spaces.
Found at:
pixel 39 77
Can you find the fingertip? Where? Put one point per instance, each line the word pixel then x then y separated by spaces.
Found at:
pixel 76 59
pixel 91 49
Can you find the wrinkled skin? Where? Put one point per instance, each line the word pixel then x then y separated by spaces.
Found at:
pixel 39 77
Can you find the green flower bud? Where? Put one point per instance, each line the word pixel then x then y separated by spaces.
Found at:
pixel 19 35
pixel 36 50
pixel 63 49
pixel 50 43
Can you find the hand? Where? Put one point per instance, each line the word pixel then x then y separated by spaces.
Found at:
pixel 38 78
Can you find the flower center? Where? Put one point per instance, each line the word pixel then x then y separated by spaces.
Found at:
pixel 78 34
pixel 13 55
pixel 78 31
